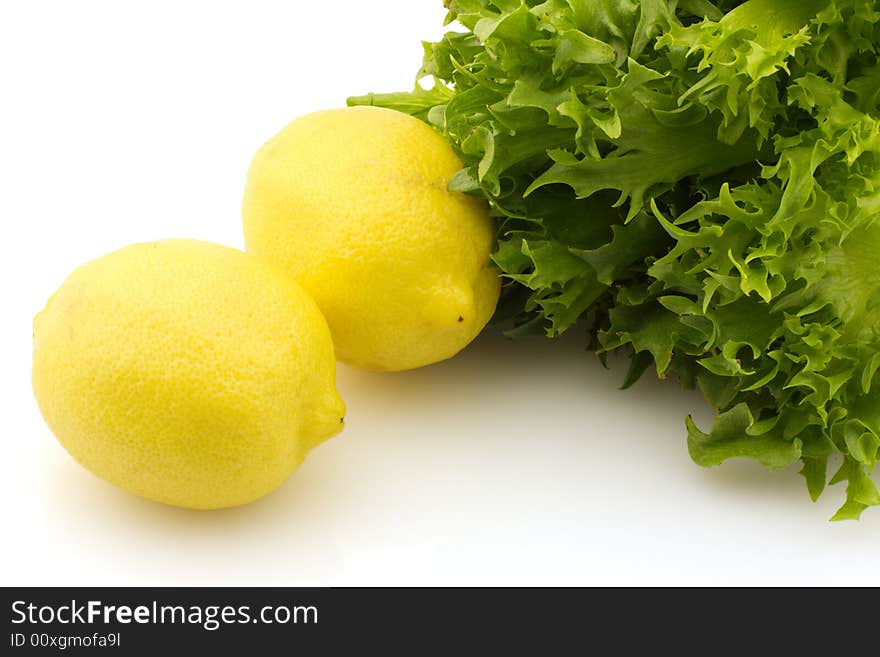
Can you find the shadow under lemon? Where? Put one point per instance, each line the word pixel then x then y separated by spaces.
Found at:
pixel 531 379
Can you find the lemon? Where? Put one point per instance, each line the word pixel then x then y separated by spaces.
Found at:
pixel 354 204
pixel 186 372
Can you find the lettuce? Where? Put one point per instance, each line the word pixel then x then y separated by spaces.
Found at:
pixel 698 182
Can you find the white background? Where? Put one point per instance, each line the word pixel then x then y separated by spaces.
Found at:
pixel 514 463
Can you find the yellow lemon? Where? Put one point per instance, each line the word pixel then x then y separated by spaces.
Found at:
pixel 354 204
pixel 186 372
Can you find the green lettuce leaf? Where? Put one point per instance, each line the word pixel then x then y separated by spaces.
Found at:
pixel 699 183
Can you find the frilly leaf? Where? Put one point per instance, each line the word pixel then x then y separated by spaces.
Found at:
pixel 750 130
pixel 732 437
